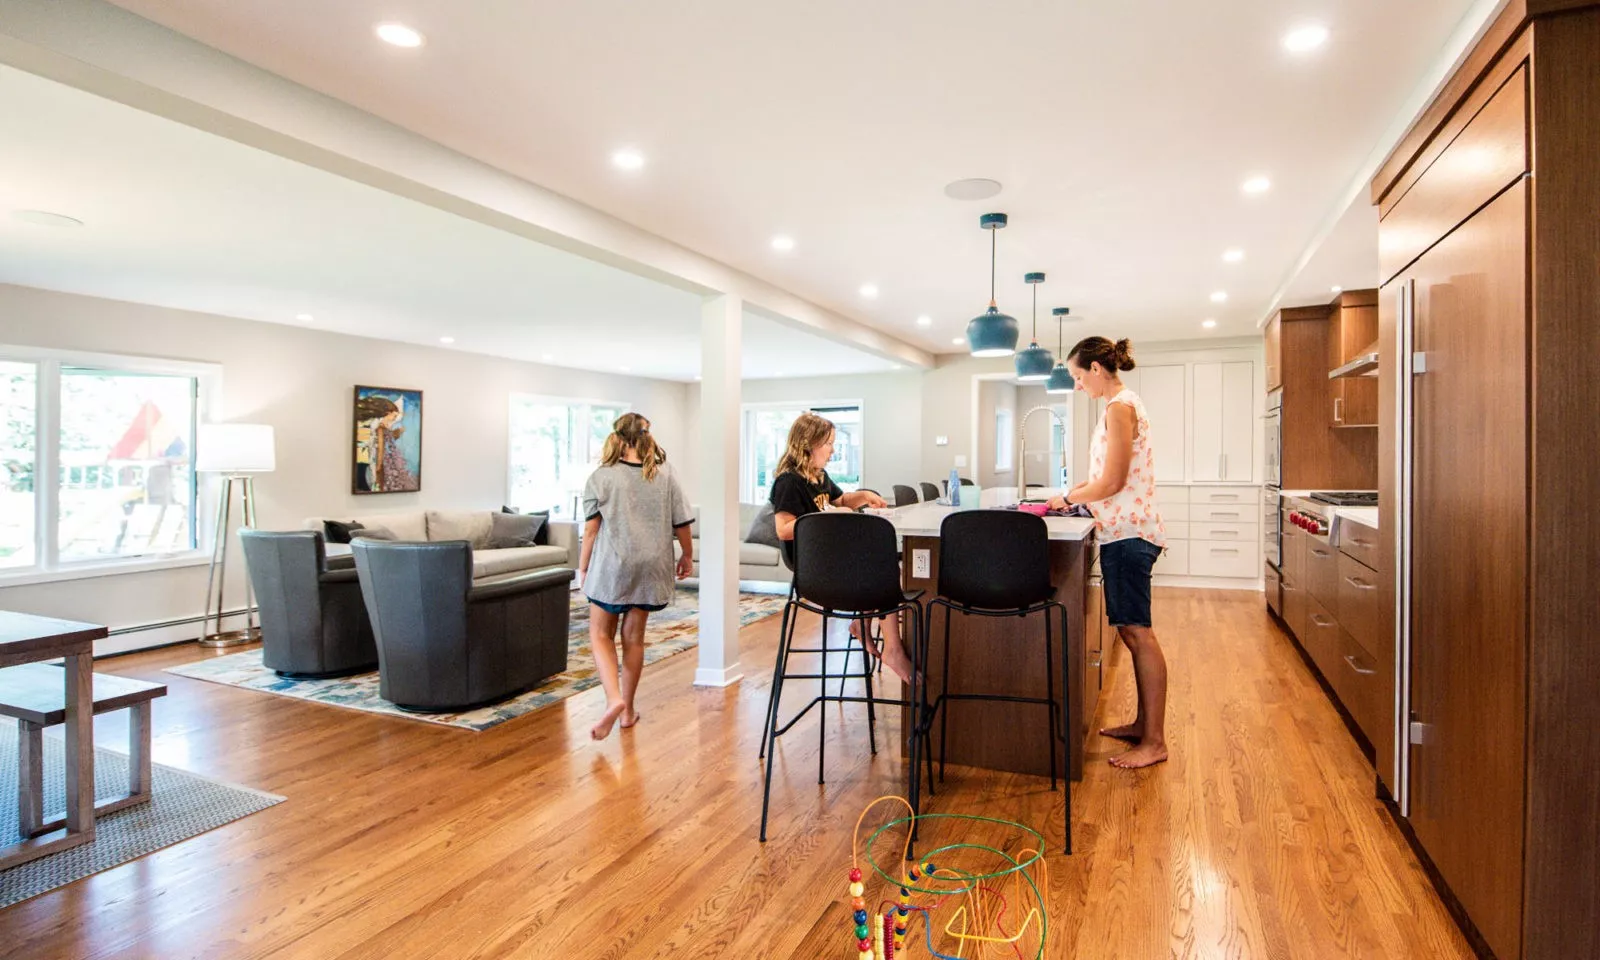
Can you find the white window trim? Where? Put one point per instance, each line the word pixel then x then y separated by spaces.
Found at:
pixel 746 476
pixel 552 400
pixel 1005 439
pixel 47 566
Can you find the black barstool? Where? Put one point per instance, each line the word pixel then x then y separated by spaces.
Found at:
pixel 930 492
pixel 846 567
pixel 996 563
pixel 904 496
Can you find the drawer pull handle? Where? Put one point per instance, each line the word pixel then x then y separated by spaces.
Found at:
pixel 1222 550
pixel 1359 585
pixel 1320 553
pixel 1221 497
pixel 1321 622
pixel 1360 542
pixel 1352 661
pixel 1231 533
pixel 1225 513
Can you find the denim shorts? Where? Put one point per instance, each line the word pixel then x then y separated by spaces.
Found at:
pixel 1125 571
pixel 618 609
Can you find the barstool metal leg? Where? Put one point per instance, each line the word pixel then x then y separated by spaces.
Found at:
pixel 1066 681
pixel 942 705
pixel 1050 686
pixel 822 691
pixel 771 734
pixel 866 676
pixel 789 610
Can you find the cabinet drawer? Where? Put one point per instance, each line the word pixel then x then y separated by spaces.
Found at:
pixel 1174 562
pixel 1292 560
pixel 1245 497
pixel 1354 678
pixel 1224 558
pixel 1167 493
pixel 1177 529
pixel 1224 513
pixel 1296 604
pixel 1172 511
pixel 1359 542
pixel 1225 531
pixel 1358 603
pixel 1322 572
pixel 1321 639
pixel 1272 580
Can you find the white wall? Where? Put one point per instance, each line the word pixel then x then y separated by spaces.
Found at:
pixel 891 419
pixel 994 396
pixel 299 380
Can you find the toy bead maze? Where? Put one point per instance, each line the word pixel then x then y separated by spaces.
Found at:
pixel 961 901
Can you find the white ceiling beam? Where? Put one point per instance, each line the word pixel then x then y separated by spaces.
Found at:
pixel 107 51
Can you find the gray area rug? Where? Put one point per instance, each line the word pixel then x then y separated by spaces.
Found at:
pixel 182 805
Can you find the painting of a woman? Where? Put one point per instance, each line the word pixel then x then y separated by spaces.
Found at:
pixel 388 440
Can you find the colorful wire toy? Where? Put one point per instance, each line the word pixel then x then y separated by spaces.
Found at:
pixel 976 877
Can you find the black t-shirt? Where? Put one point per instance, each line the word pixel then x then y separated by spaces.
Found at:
pixel 793 493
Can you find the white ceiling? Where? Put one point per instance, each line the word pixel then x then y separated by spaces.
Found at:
pixel 181 218
pixel 1121 132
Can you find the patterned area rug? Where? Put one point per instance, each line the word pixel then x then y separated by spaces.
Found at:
pixel 181 806
pixel 669 632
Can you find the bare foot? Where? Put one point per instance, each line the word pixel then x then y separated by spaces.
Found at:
pixel 1131 732
pixel 602 729
pixel 1144 755
pixel 897 661
pixel 629 718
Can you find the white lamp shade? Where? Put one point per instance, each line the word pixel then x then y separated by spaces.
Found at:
pixel 234 448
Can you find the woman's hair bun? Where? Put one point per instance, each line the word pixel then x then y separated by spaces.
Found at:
pixel 1122 353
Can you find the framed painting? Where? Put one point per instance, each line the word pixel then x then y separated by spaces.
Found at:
pixel 388 441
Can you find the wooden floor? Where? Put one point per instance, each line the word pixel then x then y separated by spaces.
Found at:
pixel 1261 837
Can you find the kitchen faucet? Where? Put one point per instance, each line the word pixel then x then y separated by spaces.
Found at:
pixel 1022 455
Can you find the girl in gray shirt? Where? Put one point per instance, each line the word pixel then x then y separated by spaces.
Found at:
pixel 632 508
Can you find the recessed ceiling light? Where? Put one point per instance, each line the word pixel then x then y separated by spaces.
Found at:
pixel 697 376
pixel 545 357
pixel 869 290
pixel 894 366
pixel 627 159
pixel 1221 296
pixel 1232 256
pixel 304 317
pixel 778 374
pixel 399 35
pixel 1308 37
pixel 625 369
pixel 1208 324
pixel 924 321
pixel 976 188
pixel 44 218
pixel 447 340
pixel 1256 185
pixel 782 243
pixel 1338 289
pixel 958 340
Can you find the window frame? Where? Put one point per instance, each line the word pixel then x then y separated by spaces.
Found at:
pixel 48 567
pixel 747 450
pixel 588 403
pixel 1005 439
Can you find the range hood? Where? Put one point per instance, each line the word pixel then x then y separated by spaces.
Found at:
pixel 1364 364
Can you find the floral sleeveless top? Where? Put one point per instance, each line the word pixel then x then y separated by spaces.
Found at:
pixel 1130 512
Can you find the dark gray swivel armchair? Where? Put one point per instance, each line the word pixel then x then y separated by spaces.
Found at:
pixel 313 621
pixel 445 643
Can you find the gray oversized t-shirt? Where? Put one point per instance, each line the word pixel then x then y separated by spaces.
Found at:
pixel 631 560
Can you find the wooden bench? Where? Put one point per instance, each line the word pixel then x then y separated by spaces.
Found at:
pixel 33 694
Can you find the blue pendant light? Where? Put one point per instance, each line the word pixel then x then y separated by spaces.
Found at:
pixel 1060 378
pixel 992 333
pixel 1033 364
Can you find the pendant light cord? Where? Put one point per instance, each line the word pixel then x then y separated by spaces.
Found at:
pixel 1035 312
pixel 992 239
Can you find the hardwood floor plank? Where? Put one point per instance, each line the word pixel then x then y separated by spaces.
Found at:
pixel 1260 838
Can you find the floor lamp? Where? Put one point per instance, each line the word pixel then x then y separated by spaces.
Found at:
pixel 238 451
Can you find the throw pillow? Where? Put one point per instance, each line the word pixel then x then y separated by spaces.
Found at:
pixel 334 531
pixel 372 533
pixel 508 530
pixel 542 537
pixel 764 528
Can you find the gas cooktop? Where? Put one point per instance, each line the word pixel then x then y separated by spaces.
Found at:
pixel 1349 498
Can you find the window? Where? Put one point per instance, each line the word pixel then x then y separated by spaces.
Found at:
pixel 1005 451
pixel 555 444
pixel 766 434
pixel 115 438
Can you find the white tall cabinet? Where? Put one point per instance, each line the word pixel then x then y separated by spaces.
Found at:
pixel 1222 423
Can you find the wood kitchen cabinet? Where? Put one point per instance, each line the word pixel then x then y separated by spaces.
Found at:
pixel 1488 362
pixel 1352 331
pixel 1316 454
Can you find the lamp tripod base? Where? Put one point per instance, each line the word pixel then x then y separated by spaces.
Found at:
pixel 231 638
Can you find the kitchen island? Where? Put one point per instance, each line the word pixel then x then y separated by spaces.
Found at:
pixel 1006 655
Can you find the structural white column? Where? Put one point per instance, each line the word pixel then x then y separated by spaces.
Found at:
pixel 721 333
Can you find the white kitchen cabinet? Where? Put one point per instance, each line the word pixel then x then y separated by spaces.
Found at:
pixel 1166 403
pixel 1222 422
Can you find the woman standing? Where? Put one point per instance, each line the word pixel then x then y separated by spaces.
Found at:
pixel 1121 494
pixel 633 506
pixel 802 486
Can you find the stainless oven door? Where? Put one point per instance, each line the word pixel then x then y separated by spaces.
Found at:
pixel 1274 438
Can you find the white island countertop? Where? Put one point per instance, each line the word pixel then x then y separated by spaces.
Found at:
pixel 923 519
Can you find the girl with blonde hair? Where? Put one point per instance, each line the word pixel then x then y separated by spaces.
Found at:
pixel 633 506
pixel 803 486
